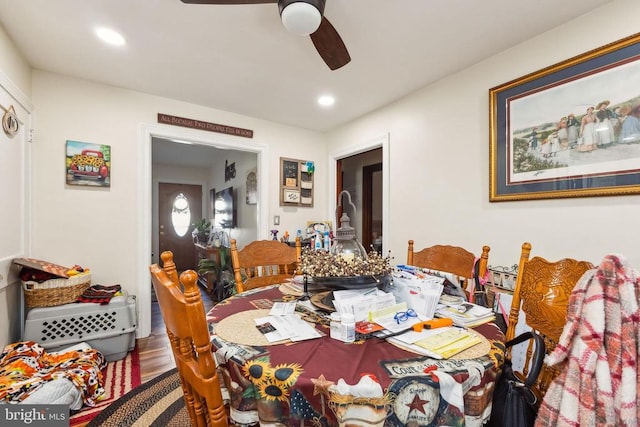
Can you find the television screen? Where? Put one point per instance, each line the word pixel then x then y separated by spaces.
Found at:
pixel 225 209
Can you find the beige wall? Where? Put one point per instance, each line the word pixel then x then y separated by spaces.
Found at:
pixel 100 228
pixel 439 160
pixel 15 88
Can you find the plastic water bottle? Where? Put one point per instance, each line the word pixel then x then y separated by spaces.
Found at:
pixel 349 327
pixel 327 241
pixel 318 241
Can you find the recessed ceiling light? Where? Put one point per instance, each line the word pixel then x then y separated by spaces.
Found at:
pixel 110 36
pixel 326 100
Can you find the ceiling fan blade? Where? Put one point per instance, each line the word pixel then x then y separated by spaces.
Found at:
pixel 330 46
pixel 228 1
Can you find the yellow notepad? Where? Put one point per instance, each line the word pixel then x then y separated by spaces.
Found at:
pixel 449 342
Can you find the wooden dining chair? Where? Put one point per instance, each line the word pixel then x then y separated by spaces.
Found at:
pixel 264 262
pixel 450 259
pixel 542 292
pixel 184 317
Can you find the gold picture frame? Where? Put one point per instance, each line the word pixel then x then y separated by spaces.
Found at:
pixel 533 151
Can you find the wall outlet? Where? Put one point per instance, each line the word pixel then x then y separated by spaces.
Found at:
pixel 276 220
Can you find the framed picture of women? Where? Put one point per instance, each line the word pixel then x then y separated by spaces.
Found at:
pixel 569 130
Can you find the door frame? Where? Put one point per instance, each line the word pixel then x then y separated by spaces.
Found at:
pixel 381 141
pixel 144 197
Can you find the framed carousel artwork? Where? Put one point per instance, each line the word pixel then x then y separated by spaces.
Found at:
pixel 569 130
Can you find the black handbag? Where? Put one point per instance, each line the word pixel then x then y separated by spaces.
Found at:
pixel 515 404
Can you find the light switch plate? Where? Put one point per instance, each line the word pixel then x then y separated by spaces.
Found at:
pixel 276 220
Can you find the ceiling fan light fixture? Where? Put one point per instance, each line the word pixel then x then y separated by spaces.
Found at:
pixel 300 17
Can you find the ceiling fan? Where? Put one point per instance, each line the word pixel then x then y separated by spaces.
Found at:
pixel 304 17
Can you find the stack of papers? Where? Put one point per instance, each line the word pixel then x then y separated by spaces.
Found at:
pixel 451 299
pixel 387 318
pixel 466 314
pixel 420 291
pixel 361 302
pixel 283 324
pixel 450 281
pixel 449 342
pixel 440 343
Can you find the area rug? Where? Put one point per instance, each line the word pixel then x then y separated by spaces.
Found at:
pixel 156 403
pixel 120 377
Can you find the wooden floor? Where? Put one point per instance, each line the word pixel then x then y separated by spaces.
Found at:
pixel 155 353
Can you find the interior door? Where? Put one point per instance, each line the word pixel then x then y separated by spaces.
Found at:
pixel 339 188
pixel 372 207
pixel 172 235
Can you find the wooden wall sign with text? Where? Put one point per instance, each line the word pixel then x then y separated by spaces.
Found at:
pixel 197 124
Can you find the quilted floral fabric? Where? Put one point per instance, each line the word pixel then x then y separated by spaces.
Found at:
pixel 26 366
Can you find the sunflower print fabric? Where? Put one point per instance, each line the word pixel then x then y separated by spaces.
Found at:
pixel 272 383
pixel 26 366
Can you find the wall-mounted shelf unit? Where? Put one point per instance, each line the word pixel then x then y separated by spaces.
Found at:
pixel 296 182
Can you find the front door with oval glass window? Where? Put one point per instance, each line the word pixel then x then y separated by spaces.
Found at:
pixel 179 206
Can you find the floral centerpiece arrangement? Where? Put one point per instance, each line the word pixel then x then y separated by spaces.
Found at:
pixel 324 266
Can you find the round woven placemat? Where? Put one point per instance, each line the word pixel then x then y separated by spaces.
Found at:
pixel 474 352
pixel 240 328
pixel 289 289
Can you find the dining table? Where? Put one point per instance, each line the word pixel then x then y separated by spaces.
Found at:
pixel 328 382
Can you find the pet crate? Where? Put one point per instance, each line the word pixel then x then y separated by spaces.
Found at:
pixel 109 328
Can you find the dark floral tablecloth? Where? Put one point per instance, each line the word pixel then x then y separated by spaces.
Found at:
pixel 325 382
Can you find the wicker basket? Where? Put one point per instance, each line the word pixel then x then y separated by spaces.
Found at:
pixel 55 291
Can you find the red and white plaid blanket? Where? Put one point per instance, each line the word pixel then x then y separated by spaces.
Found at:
pixel 597 352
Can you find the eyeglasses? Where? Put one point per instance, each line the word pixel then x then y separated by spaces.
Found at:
pixel 403 316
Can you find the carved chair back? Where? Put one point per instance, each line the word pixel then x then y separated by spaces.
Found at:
pixel 542 292
pixel 183 314
pixel 264 262
pixel 451 259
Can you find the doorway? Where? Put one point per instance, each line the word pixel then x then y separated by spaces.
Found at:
pixel 146 193
pixel 335 175
pixel 361 175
